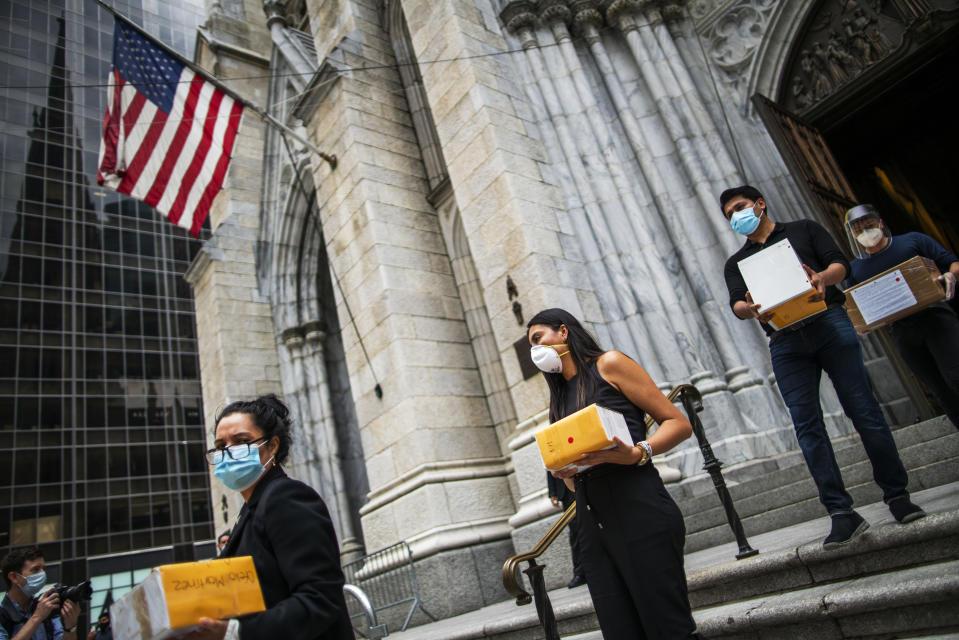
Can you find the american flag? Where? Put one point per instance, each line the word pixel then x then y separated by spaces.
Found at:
pixel 167 134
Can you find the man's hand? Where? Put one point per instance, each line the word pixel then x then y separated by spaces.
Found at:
pixel 948 280
pixel 554 501
pixel 69 614
pixel 750 309
pixel 47 604
pixel 817 282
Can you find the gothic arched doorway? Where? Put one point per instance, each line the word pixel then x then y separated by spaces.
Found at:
pixel 875 77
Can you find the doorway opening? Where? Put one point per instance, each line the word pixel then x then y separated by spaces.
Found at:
pixel 898 150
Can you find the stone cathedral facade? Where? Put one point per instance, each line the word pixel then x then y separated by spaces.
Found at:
pixel 494 158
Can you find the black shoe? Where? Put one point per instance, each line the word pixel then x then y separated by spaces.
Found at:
pixel 904 510
pixel 845 527
pixel 577 581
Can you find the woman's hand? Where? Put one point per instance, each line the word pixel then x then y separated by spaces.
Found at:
pixel 210 629
pixel 622 453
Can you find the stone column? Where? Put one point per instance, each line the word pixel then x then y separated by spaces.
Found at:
pixel 747 406
pixel 591 216
pixel 666 31
pixel 326 440
pixel 642 44
pixel 306 463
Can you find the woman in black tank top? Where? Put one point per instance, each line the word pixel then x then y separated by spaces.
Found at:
pixel 631 532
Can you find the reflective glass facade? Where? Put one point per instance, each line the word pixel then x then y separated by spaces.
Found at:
pixel 101 432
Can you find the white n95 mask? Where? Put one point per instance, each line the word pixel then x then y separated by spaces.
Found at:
pixel 546 359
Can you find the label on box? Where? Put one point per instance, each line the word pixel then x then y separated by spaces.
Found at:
pixel 883 296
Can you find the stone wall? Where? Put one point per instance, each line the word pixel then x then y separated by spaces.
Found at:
pixel 235 332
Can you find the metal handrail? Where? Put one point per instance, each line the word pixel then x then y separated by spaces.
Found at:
pixel 510 583
pixel 509 568
pixel 692 401
pixel 377 631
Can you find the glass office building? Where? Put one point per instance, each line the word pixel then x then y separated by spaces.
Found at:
pixel 101 430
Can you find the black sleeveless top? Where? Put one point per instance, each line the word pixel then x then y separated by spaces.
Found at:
pixel 606 395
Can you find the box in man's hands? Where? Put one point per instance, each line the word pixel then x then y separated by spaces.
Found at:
pixel 895 293
pixel 170 601
pixel 588 430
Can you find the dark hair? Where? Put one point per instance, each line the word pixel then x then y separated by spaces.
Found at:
pixel 15 560
pixel 582 348
pixel 270 416
pixel 746 191
pixel 226 533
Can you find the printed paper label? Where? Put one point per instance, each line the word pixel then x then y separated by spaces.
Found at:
pixel 883 296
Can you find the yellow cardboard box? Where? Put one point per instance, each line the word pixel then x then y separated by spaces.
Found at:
pixel 169 602
pixel 589 429
pixel 895 293
pixel 794 310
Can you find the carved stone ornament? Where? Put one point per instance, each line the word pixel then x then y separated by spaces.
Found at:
pixel 518 15
pixel 734 37
pixel 844 39
pixel 550 10
pixel 587 19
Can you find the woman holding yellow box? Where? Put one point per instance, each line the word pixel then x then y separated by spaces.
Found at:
pixel 631 532
pixel 284 525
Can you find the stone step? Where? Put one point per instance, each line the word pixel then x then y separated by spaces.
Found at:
pixel 894 578
pixel 697 494
pixel 748 478
pixel 923 598
pixel 886 547
pixel 929 464
pixel 783 506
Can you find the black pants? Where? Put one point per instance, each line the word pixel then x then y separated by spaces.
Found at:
pixel 632 536
pixel 929 344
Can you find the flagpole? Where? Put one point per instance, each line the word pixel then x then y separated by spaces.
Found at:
pixel 330 158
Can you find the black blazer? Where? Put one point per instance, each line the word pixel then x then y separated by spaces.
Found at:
pixel 287 529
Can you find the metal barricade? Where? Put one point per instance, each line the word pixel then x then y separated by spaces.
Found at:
pixel 388 579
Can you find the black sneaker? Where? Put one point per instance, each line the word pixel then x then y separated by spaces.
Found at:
pixel 904 510
pixel 845 527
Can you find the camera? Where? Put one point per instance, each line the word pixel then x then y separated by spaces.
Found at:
pixel 78 594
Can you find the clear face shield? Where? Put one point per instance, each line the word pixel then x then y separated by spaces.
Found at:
pixel 865 230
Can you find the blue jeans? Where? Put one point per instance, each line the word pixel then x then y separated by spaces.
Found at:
pixel 799 357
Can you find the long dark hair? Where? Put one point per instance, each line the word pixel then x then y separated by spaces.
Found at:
pixel 582 348
pixel 270 416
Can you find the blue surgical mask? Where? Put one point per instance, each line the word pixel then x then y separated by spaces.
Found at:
pixel 745 221
pixel 241 474
pixel 35 582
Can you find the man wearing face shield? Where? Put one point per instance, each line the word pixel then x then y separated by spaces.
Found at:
pixel 928 341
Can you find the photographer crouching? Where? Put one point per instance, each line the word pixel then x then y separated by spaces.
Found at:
pixel 25 615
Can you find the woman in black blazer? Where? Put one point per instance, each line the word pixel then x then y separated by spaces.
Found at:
pixel 284 525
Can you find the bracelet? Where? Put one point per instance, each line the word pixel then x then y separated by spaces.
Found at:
pixel 647 452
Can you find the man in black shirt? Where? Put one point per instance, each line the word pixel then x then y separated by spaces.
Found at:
pixel 802 351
